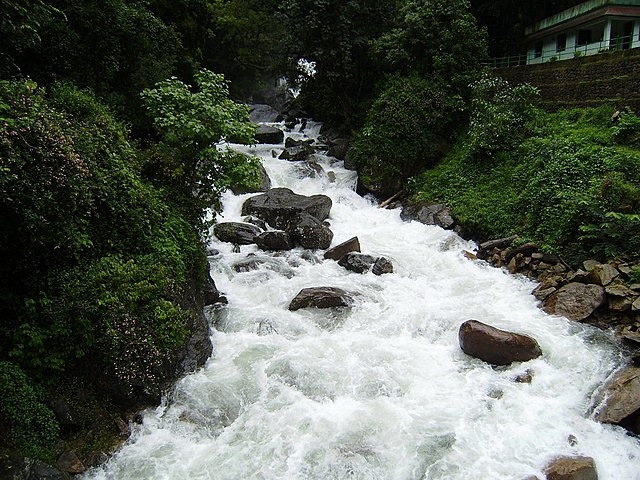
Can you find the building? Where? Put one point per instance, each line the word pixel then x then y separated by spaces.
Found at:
pixel 589 28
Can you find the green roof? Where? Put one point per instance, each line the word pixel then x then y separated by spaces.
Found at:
pixel 578 11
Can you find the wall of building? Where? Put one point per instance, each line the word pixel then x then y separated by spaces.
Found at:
pixel 606 78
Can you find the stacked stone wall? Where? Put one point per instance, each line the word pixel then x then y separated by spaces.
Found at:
pixel 606 78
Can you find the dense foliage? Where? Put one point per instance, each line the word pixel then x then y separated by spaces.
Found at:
pixel 408 129
pixel 572 185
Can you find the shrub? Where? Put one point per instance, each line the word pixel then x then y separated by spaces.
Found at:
pixel 499 115
pixel 33 429
pixel 408 129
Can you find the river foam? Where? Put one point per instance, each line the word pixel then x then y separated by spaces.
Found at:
pixel 380 390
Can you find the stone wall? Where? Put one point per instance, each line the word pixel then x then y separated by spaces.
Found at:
pixel 606 78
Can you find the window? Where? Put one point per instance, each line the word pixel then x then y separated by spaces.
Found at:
pixel 561 42
pixel 584 37
pixel 538 49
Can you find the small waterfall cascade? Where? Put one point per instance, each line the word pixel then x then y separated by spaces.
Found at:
pixel 379 390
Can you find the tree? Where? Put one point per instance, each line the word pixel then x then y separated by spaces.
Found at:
pixel 190 124
pixel 435 38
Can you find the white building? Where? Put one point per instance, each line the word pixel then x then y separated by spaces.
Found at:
pixel 586 29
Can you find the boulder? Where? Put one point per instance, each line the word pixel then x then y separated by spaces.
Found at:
pixel 571 468
pixel 263 185
pixel 321 297
pixel 337 252
pixel 270 135
pixel 496 346
pixel 620 397
pixel 259 113
pixel 525 250
pixel 279 206
pixel 576 301
pixel 292 142
pixel 297 153
pixel 212 295
pixel 309 232
pixel 357 262
pixel 603 274
pixel 382 266
pixel 236 232
pixel 70 463
pixel 274 240
pixel 339 148
pixel 429 214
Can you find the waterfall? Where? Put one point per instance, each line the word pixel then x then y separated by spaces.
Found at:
pixel 381 389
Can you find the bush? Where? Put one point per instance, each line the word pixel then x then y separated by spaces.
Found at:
pixel 408 129
pixel 499 115
pixel 568 187
pixel 33 429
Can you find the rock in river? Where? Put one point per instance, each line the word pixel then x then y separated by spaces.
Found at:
pixel 321 297
pixel 496 346
pixel 279 206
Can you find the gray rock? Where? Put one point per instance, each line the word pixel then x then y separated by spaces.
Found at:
pixel 236 232
pixel 576 301
pixel 620 397
pixel 496 346
pixel 571 468
pixel 309 232
pixel 297 153
pixel 382 266
pixel 357 262
pixel 321 297
pixel 212 295
pixel 259 113
pixel 339 148
pixel 275 240
pixel 429 214
pixel 269 135
pixel 337 252
pixel 279 206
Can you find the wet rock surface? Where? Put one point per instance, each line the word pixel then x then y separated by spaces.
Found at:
pixel 495 346
pixel 337 252
pixel 321 297
pixel 269 135
pixel 236 232
pixel 279 206
pixel 571 468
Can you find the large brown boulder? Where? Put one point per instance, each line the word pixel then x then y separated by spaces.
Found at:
pixel 279 206
pixel 576 301
pixel 621 396
pixel 321 297
pixel 571 468
pixel 496 346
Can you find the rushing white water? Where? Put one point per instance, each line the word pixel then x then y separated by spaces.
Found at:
pixel 380 390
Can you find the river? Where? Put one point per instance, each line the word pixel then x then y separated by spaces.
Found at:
pixel 380 390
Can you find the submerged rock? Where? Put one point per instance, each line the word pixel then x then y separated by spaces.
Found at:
pixel 576 301
pixel 382 266
pixel 571 468
pixel 357 262
pixel 496 346
pixel 321 297
pixel 236 232
pixel 279 206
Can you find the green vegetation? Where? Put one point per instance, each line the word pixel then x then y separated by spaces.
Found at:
pixel 571 183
